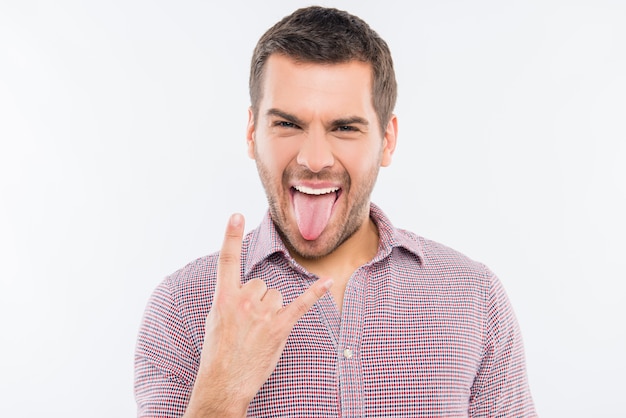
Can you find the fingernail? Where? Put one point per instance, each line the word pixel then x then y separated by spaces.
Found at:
pixel 236 219
pixel 328 283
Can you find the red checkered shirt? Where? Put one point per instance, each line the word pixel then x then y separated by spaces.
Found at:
pixel 424 331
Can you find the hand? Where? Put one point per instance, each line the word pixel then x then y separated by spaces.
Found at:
pixel 245 333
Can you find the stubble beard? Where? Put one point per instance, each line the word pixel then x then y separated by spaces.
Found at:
pixel 351 220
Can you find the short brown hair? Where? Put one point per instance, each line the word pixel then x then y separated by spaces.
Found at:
pixel 326 35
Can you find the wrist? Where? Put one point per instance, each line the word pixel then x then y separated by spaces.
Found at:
pixel 211 401
pixel 214 411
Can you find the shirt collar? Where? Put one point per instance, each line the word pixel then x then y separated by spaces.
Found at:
pixel 265 241
pixel 392 237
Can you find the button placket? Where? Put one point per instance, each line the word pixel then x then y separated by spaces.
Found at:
pixel 348 353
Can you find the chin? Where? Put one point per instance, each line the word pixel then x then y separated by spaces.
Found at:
pixel 305 248
pixel 311 251
pixel 325 244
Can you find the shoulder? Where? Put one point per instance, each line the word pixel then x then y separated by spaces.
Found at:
pixel 414 252
pixel 437 256
pixel 196 276
pixel 196 280
pixel 183 298
pixel 441 268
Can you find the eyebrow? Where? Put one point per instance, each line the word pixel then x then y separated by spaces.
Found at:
pixel 350 120
pixel 284 115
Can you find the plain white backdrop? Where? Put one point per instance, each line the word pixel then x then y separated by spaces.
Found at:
pixel 122 153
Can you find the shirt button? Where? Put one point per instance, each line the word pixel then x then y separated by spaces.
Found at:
pixel 347 353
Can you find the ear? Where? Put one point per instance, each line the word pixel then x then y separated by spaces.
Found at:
pixel 250 133
pixel 389 141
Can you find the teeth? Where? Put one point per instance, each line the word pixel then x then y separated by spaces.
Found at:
pixel 317 192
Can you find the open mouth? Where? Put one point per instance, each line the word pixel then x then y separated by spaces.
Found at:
pixel 316 192
pixel 313 208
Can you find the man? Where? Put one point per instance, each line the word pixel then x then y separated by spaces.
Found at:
pixel 326 309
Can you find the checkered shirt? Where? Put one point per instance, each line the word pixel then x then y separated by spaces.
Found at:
pixel 424 332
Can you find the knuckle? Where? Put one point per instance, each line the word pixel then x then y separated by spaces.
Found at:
pixel 255 286
pixel 256 283
pixel 274 297
pixel 232 234
pixel 316 292
pixel 228 258
pixel 300 307
pixel 246 305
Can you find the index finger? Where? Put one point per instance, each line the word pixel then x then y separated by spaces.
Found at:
pixel 229 261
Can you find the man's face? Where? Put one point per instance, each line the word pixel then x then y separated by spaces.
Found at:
pixel 318 146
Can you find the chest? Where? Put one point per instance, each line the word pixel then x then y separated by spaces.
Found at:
pixel 400 345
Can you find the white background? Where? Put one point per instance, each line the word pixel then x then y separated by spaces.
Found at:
pixel 122 153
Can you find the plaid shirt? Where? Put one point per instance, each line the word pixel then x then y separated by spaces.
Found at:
pixel 424 331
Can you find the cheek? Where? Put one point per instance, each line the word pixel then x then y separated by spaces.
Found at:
pixel 358 158
pixel 275 155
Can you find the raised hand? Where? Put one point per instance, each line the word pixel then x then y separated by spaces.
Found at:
pixel 245 333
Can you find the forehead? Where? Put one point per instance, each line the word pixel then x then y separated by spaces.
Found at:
pixel 287 82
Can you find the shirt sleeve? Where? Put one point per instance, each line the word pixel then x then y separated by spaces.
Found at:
pixel 501 386
pixel 165 360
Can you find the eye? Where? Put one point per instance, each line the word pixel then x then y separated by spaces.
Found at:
pixel 285 124
pixel 346 128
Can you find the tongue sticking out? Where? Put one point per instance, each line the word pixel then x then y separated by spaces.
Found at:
pixel 313 213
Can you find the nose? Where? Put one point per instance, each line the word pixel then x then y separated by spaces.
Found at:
pixel 316 152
